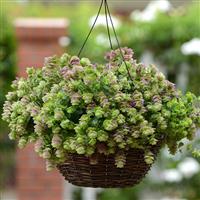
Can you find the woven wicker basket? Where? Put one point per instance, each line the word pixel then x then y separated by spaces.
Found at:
pixel 78 170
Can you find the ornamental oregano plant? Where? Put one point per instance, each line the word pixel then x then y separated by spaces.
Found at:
pixel 74 106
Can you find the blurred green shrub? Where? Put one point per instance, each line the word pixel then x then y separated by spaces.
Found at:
pixel 7 74
pixel 119 194
pixel 7 59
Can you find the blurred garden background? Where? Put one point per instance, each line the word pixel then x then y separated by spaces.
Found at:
pixel 161 32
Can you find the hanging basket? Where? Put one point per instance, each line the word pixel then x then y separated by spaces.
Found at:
pixel 78 170
pixel 120 112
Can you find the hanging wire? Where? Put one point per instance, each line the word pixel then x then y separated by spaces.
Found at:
pixel 108 29
pixel 91 28
pixel 108 14
pixel 118 44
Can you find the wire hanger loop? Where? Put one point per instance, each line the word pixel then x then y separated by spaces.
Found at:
pixel 108 17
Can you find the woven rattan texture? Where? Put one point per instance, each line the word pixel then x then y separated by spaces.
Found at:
pixel 78 170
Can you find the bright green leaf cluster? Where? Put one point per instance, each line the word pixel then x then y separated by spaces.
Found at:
pixel 74 106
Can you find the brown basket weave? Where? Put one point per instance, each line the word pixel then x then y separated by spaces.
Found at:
pixel 78 170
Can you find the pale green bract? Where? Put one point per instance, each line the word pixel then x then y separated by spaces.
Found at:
pixel 74 106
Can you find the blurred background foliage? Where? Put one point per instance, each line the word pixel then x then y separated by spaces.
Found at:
pixel 163 37
pixel 7 58
pixel 7 74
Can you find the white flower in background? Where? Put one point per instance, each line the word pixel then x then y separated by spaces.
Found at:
pixel 191 47
pixel 142 16
pixel 103 40
pixel 171 175
pixel 175 157
pixel 188 167
pixel 149 13
pixel 159 5
pixel 64 41
pixel 101 21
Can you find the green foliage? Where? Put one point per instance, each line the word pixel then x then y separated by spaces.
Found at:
pixel 7 166
pixel 74 106
pixel 7 62
pixel 38 9
pixel 7 74
pixel 118 194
